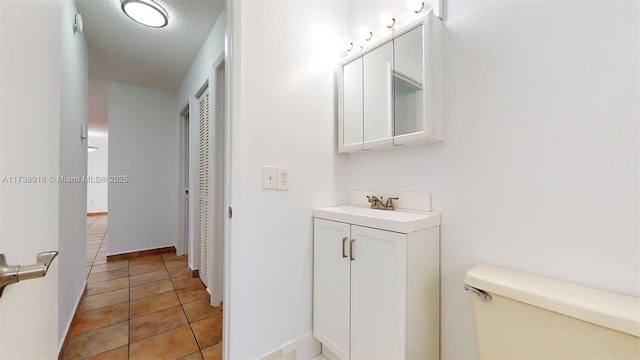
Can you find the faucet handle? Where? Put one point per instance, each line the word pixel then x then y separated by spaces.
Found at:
pixel 389 203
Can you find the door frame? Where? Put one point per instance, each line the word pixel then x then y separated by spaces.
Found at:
pixel 216 270
pixel 184 183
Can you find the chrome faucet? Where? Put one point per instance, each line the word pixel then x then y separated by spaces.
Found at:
pixel 377 203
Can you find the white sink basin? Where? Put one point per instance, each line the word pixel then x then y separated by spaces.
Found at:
pixel 397 220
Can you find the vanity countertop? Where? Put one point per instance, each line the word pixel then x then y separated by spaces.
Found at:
pixel 398 220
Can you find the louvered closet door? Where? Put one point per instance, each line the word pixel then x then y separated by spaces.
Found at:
pixel 204 227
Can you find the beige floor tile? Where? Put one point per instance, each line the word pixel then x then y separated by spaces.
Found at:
pixel 179 272
pixel 154 288
pixel 97 341
pixel 175 263
pixel 186 281
pixel 145 268
pixel 143 291
pixel 100 261
pixel 147 278
pixel 153 303
pixel 121 353
pixel 111 266
pixel 94 319
pixel 208 331
pixel 169 256
pixel 193 356
pixel 102 300
pixel 169 345
pixel 142 260
pixel 200 309
pixel 192 293
pixel 94 288
pixel 213 353
pixel 109 275
pixel 156 323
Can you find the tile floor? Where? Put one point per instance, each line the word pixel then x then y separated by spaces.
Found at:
pixel 144 308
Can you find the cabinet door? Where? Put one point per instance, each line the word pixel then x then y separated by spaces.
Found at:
pixel 331 285
pixel 408 82
pixel 378 294
pixel 350 102
pixel 378 97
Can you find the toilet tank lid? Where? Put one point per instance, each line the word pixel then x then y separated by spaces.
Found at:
pixel 605 308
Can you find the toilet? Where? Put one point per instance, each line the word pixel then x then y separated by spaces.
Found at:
pixel 525 316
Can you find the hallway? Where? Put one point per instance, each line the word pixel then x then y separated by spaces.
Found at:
pixel 143 308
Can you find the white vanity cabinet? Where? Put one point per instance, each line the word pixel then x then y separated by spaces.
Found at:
pixel 376 292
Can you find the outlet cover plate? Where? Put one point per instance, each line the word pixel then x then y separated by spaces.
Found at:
pixel 283 179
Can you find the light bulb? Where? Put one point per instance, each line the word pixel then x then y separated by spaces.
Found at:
pixel 346 45
pixel 364 33
pixel 415 5
pixel 386 19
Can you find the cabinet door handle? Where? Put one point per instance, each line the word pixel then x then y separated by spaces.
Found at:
pixel 344 253
pixel 351 249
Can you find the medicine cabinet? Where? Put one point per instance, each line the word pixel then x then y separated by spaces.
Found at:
pixel 389 94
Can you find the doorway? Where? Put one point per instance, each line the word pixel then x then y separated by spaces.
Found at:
pixel 219 184
pixel 184 182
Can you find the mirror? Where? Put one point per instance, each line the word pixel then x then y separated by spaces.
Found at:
pixel 378 94
pixel 408 82
pixel 352 103
pixel 389 94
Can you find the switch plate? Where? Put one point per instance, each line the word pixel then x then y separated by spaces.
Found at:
pixel 269 177
pixel 283 179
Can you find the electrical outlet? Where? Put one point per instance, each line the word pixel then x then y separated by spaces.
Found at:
pixel 283 179
pixel 269 177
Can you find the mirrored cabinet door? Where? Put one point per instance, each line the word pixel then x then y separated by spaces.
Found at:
pixel 352 123
pixel 378 97
pixel 408 82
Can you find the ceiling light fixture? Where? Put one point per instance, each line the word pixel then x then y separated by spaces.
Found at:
pixel 146 12
pixel 346 45
pixel 364 33
pixel 415 5
pixel 386 19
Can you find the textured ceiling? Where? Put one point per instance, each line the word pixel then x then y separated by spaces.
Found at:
pixel 125 51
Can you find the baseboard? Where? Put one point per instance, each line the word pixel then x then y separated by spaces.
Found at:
pixel 304 347
pixel 139 253
pixel 63 346
pixel 97 213
pixel 194 273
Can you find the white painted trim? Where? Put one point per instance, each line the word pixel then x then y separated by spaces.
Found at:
pixel 303 347
pixel 215 273
pixel 232 32
pixel 182 245
pixel 73 314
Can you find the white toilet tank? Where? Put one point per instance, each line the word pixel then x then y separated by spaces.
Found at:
pixel 525 316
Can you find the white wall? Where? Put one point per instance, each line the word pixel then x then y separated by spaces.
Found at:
pixel 539 167
pixel 283 109
pixel 73 162
pixel 199 74
pixel 143 145
pixel 98 166
pixel 97 192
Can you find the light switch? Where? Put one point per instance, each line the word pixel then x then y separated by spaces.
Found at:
pixel 283 179
pixel 269 176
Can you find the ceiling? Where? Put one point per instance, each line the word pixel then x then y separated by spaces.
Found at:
pixel 125 51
